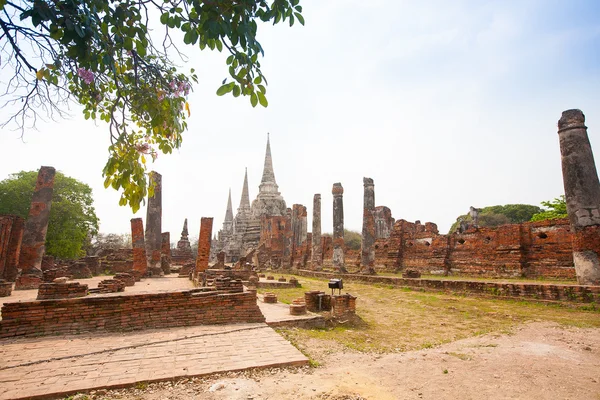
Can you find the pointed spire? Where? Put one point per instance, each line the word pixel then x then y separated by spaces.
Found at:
pixel 229 212
pixel 245 201
pixel 184 232
pixel 268 173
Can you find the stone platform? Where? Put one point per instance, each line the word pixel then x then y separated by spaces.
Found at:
pixel 278 314
pixel 57 366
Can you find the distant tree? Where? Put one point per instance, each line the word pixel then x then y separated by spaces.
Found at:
pixel 109 241
pixel 492 216
pixel 100 54
pixel 556 209
pixel 73 219
pixel 352 239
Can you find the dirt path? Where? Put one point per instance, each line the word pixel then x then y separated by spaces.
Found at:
pixel 536 361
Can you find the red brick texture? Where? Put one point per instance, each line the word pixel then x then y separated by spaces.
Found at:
pixel 11 237
pixel 204 242
pixel 48 291
pixel 128 312
pixel 530 249
pixel 140 262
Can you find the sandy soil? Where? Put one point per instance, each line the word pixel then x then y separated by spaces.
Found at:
pixel 535 361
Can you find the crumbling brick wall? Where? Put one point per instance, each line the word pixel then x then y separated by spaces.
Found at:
pixel 128 312
pixel 532 249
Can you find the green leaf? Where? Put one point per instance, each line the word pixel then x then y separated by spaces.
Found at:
pixel 262 99
pixel 223 89
pixel 253 99
pixel 300 18
pixel 236 91
pixel 164 18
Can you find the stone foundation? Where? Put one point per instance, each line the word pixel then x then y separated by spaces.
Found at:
pixel 50 291
pixel 126 312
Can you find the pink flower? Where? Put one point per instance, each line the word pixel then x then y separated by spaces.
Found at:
pixel 86 75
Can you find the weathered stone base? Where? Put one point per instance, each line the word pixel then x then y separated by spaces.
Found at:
pixel 111 286
pixel 27 282
pixel 587 267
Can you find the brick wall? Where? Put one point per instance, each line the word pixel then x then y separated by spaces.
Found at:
pixel 533 291
pixel 126 312
pixel 530 249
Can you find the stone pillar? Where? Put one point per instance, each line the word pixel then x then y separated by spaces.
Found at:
pixel 140 262
pixel 582 193
pixel 317 249
pixel 338 227
pixel 367 258
pixel 34 235
pixel 203 246
pixel 153 236
pixel 165 250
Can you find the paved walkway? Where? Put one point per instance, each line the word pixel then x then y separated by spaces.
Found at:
pixel 278 314
pixel 50 366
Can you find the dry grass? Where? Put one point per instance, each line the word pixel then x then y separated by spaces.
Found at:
pixel 395 320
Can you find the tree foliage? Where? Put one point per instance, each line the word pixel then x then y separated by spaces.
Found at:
pixel 109 241
pixel 352 239
pixel 99 53
pixel 555 209
pixel 492 216
pixel 72 216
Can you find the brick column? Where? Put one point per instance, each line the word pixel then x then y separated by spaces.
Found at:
pixel 582 193
pixel 203 246
pixel 367 259
pixel 338 227
pixel 34 234
pixel 317 249
pixel 10 246
pixel 165 250
pixel 153 236
pixel 140 263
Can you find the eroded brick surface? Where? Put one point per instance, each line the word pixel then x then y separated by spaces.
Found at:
pixel 204 241
pixel 11 236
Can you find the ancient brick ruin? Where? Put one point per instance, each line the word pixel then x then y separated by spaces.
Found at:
pixel 582 193
pixel 204 244
pixel 153 236
pixel 33 245
pixel 140 261
pixel 11 236
pixel 183 254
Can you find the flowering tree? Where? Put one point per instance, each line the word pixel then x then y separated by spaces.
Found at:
pixel 99 54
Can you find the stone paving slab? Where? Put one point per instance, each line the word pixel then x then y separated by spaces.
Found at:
pixel 53 366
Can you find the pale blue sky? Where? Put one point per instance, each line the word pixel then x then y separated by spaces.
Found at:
pixel 444 104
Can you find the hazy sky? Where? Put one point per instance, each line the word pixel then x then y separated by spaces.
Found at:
pixel 444 104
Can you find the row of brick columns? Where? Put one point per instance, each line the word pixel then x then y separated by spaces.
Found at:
pixel 24 245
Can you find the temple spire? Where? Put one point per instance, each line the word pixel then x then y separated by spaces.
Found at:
pixel 184 232
pixel 268 184
pixel 268 174
pixel 245 201
pixel 229 212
